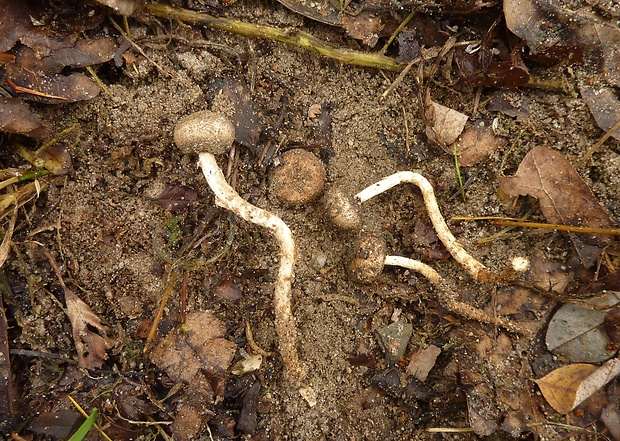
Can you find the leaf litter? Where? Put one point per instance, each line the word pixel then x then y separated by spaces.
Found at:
pixel 564 198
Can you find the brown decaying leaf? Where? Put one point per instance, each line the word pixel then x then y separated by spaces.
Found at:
pixel 564 197
pixel 57 159
pixel 44 25
pixel 89 333
pixel 509 103
pixel 423 361
pixel 194 410
pixel 59 424
pixel 16 117
pixel 610 282
pixel 548 275
pixel 476 144
pixel 445 124
pixel 233 99
pixel 42 76
pixel 611 324
pixel 567 387
pixel 604 106
pixel 365 26
pixel 566 31
pixel 182 354
pixel 177 196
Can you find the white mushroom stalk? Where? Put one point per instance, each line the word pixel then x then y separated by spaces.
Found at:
pixel 475 268
pixel 226 197
pixel 366 262
pixel 414 265
pixel 207 134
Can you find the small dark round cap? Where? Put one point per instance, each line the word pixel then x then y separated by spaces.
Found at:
pixel 367 258
pixel 204 131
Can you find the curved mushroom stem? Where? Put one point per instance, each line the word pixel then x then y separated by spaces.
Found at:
pixel 476 269
pixel 414 265
pixel 226 197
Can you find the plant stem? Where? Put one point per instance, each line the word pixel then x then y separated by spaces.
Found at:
pixel 292 37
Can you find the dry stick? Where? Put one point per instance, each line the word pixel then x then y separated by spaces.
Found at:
pixel 226 197
pixel 288 36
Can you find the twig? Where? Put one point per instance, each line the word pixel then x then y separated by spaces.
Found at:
pixel 293 37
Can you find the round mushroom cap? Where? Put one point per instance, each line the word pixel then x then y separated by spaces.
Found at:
pixel 300 178
pixel 367 258
pixel 342 210
pixel 204 131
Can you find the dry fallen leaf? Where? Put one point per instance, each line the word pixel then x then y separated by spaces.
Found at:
pixel 564 198
pixel 604 106
pixel 423 361
pixel 16 117
pixel 549 275
pixel 577 332
pixel 184 353
pixel 233 99
pixel 89 333
pixel 445 125
pixel 567 33
pixel 477 144
pixel 567 387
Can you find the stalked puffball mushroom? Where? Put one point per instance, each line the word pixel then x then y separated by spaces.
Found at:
pixel 299 179
pixel 342 210
pixel 208 133
pixel 476 269
pixel 369 255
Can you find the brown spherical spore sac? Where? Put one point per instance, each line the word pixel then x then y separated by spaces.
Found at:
pixel 367 258
pixel 342 210
pixel 300 178
pixel 204 131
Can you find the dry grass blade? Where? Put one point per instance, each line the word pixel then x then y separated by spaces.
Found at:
pixel 6 241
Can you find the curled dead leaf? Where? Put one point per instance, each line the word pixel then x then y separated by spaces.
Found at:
pixel 197 345
pixel 89 333
pixel 567 387
pixel 445 124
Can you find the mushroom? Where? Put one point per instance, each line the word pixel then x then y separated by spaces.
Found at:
pixel 342 210
pixel 369 256
pixel 299 179
pixel 208 133
pixel 368 259
pixel 476 269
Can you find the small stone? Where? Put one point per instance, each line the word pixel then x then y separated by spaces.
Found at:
pixel 204 131
pixel 300 178
pixel 394 339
